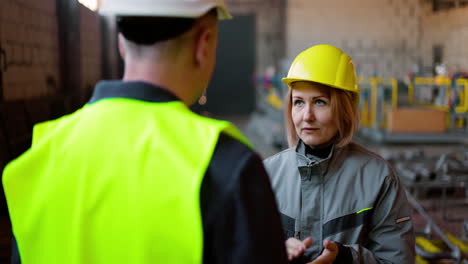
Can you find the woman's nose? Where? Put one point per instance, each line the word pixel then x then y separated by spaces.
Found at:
pixel 309 113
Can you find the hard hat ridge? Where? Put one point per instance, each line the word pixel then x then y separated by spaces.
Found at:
pixel 324 64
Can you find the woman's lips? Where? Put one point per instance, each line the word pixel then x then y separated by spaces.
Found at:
pixel 309 129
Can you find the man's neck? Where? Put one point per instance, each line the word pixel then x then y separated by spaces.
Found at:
pixel 166 77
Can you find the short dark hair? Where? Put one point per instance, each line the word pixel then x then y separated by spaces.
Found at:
pixel 150 30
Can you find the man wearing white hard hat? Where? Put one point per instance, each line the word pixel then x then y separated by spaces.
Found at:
pixel 134 176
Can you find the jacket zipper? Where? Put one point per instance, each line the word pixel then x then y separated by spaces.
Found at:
pixel 297 235
pixel 309 163
pixel 322 208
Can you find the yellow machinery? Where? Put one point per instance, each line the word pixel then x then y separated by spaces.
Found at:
pixel 439 93
pixel 274 99
pixel 462 89
pixel 379 96
pixel 446 247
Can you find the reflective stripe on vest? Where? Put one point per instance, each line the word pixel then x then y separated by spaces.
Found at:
pixel 118 181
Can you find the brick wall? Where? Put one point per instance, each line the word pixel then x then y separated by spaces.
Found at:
pixel 385 37
pixel 269 28
pixel 448 28
pixel 28 37
pixel 382 36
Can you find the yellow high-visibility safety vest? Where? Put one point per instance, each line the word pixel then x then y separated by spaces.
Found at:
pixel 118 181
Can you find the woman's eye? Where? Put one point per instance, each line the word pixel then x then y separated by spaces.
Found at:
pixel 320 102
pixel 298 102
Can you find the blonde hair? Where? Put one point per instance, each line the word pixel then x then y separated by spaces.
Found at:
pixel 344 105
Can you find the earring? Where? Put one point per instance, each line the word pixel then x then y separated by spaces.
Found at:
pixel 202 100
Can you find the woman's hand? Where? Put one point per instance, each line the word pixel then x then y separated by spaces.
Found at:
pixel 328 255
pixel 296 248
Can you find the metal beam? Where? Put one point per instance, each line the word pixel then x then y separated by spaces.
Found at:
pixel 444 4
pixel 3 66
pixel 68 21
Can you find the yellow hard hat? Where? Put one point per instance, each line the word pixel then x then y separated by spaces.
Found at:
pixel 324 64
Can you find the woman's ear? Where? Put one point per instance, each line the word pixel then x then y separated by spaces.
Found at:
pixel 121 45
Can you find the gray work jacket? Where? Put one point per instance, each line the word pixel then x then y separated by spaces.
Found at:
pixel 352 197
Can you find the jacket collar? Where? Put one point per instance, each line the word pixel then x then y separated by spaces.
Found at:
pixel 316 153
pixel 307 159
pixel 133 90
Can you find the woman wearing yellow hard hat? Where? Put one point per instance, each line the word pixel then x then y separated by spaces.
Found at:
pixel 339 202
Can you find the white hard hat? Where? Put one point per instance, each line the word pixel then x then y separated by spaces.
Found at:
pixel 163 8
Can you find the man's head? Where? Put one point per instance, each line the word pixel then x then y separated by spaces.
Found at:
pixel 171 43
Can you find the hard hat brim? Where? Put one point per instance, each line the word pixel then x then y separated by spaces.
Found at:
pixel 223 13
pixel 153 10
pixel 289 81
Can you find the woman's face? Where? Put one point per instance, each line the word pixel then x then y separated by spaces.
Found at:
pixel 312 113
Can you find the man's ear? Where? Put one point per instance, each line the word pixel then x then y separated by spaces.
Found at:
pixel 203 45
pixel 121 45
